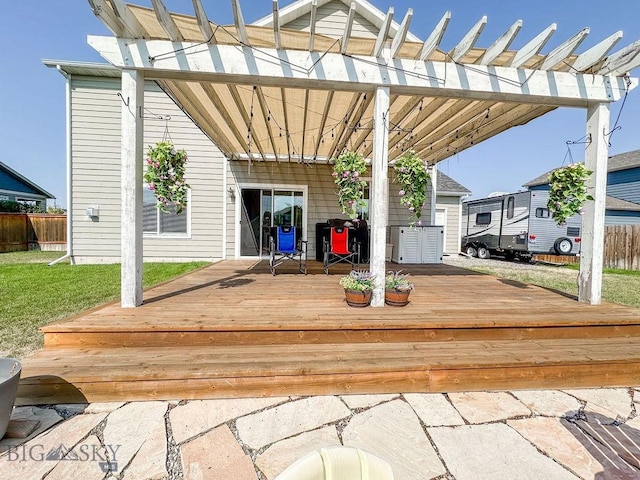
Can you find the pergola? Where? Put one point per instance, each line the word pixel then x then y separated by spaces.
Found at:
pixel 267 94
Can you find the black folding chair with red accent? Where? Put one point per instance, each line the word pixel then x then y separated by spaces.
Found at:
pixel 340 248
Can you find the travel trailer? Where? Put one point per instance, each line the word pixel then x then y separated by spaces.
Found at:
pixel 516 225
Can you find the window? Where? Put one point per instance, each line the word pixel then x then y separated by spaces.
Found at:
pixel 156 222
pixel 542 212
pixel 511 203
pixel 4 197
pixel 483 218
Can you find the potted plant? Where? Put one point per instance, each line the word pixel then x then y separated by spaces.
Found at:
pixel 411 173
pixel 358 286
pixel 397 288
pixel 165 176
pixel 568 191
pixel 9 377
pixel 347 171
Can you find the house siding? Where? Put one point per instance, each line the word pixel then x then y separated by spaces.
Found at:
pixel 620 217
pixel 452 205
pixel 331 20
pixel 625 184
pixel 95 140
pixel 321 201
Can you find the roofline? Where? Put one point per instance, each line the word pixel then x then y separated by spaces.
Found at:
pixel 26 180
pixel 305 7
pixel 452 194
pixel 65 65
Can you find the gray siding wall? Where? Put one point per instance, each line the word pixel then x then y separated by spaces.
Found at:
pixel 96 175
pixel 322 201
pixel 452 205
pixel 626 219
pixel 331 19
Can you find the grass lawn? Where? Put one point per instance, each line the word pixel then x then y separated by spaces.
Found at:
pixel 618 286
pixel 34 294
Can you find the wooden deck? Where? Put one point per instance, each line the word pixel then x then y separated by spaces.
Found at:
pixel 233 329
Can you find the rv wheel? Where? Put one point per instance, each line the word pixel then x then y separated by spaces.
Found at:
pixel 563 246
pixel 483 252
pixel 471 251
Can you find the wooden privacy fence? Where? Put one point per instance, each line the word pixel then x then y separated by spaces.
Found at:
pixel 622 247
pixel 32 231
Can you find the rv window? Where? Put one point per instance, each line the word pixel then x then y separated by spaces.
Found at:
pixel 542 212
pixel 483 218
pixel 511 203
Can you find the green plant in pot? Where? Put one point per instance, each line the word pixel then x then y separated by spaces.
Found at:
pixel 568 191
pixel 358 286
pixel 397 288
pixel 347 172
pixel 165 176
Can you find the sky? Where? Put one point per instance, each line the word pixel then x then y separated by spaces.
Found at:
pixel 32 97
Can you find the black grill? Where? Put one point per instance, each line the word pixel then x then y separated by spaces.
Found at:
pixel 573 231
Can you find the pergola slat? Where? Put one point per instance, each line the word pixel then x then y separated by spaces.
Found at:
pixel 366 101
pixel 366 132
pixel 238 20
pixel 401 36
pixel 166 21
pixel 383 34
pixel 621 60
pixel 248 120
pixel 561 52
pixel 265 115
pixel 312 23
pixel 132 28
pixel 500 45
pixel 203 22
pixel 323 121
pixel 347 29
pixel 434 39
pixel 532 48
pixel 596 53
pixel 468 41
pixel 276 25
pixel 342 127
pixel 304 119
pixel 106 14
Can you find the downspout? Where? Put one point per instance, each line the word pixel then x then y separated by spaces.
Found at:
pixel 69 253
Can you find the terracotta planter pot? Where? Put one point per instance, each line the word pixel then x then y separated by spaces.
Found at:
pixel 357 298
pixel 396 298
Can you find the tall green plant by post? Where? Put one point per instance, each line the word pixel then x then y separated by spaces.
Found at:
pixel 568 191
pixel 411 173
pixel 347 172
pixel 165 176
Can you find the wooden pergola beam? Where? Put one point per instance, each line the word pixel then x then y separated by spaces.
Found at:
pixel 383 34
pixel 468 41
pixel 342 127
pixel 166 21
pixel 346 35
pixel 366 132
pixel 500 45
pixel 561 52
pixel 304 120
pixel 621 61
pixel 203 22
pixel 323 121
pixel 433 40
pixel 401 36
pixel 364 104
pixel 596 53
pixel 233 90
pixel 312 23
pixel 238 21
pixel 532 48
pixel 132 28
pixel 266 113
pixel 106 14
pixel 276 24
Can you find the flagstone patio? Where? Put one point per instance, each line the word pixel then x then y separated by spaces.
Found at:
pixel 551 434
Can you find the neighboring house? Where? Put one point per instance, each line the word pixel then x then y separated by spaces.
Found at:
pixel 623 188
pixel 232 202
pixel 18 188
pixel 449 196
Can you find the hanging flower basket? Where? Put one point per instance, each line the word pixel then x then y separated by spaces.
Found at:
pixel 165 176
pixel 412 176
pixel 568 192
pixel 347 172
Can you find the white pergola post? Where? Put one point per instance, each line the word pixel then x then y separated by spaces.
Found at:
pixel 380 192
pixel 131 154
pixel 592 250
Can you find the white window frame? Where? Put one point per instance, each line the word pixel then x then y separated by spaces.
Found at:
pixel 172 234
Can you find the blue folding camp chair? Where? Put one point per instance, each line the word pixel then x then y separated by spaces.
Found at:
pixel 285 247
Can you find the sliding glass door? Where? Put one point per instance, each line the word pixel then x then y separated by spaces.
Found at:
pixel 264 208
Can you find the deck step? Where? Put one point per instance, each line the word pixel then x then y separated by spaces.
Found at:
pixel 69 375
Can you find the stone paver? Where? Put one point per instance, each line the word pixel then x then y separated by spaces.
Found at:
pixel 434 409
pixel 103 407
pixel 198 416
pixel 130 426
pixel 393 432
pixel 216 455
pixel 366 401
pixel 280 455
pixel 47 417
pixel 483 407
pixel 570 446
pixel 150 463
pixel 85 464
pixel 616 400
pixel 491 452
pixel 262 428
pixel 551 403
pixel 30 461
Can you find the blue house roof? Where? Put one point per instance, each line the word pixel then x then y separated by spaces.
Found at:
pixel 12 181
